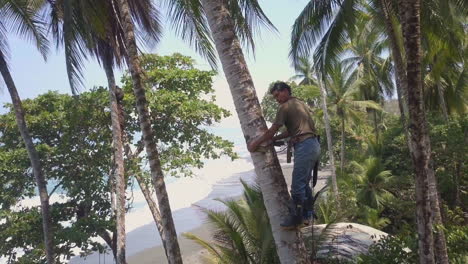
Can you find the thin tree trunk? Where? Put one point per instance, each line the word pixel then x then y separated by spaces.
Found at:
pixel 154 210
pixel 289 244
pixel 442 103
pixel 34 159
pixel 440 242
pixel 149 138
pixel 418 130
pixel 110 241
pixel 376 125
pixel 400 74
pixel 326 119
pixel 147 194
pixel 342 162
pixel 425 175
pixel 118 176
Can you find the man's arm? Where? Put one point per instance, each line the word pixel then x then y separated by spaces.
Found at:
pixel 267 136
pixel 285 134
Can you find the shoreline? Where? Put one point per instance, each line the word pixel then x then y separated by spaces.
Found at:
pixel 191 251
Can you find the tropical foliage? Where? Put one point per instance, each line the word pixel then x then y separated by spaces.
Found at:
pixel 242 233
pixel 60 122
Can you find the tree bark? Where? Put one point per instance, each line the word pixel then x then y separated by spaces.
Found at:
pixel 34 159
pixel 149 138
pixel 154 210
pixel 289 244
pixel 118 175
pixel 326 119
pixel 419 137
pixel 426 183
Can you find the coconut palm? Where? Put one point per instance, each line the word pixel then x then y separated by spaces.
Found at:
pixel 123 10
pixel 371 181
pixel 444 65
pixel 366 46
pixel 84 28
pixel 419 135
pixel 20 17
pixel 242 233
pixel 224 24
pixel 344 100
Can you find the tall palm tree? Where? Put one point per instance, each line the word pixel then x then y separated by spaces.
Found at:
pixel 149 138
pixel 222 23
pixel 366 47
pixel 305 71
pixel 95 28
pixel 421 153
pixel 328 23
pixel 21 18
pixel 444 63
pixel 344 100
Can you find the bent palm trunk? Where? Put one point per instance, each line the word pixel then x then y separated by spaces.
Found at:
pixel 289 244
pixel 326 119
pixel 33 157
pixel 118 175
pixel 173 250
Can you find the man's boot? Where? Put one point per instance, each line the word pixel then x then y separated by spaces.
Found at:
pixel 308 212
pixel 294 219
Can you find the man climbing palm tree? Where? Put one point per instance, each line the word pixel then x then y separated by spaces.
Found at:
pixel 296 116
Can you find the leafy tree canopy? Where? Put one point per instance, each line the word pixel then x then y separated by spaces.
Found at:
pixel 73 137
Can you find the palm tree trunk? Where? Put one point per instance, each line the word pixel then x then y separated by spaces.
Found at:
pixel 400 76
pixel 376 125
pixel 342 162
pixel 148 196
pixel 149 138
pixel 426 183
pixel 289 244
pixel 118 175
pixel 34 159
pixel 154 210
pixel 326 119
pixel 419 136
pixel 442 103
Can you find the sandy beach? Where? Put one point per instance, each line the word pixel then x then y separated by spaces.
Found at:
pixel 192 252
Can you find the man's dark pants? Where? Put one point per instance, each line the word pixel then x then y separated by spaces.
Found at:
pixel 306 153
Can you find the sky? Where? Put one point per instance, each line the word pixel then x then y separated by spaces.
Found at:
pixel 34 76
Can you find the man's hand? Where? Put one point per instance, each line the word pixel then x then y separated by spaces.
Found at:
pixel 266 137
pixel 252 146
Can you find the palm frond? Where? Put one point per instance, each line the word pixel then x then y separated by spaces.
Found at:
pixel 248 18
pixel 206 245
pixel 147 18
pixel 309 27
pixel 19 17
pixel 189 22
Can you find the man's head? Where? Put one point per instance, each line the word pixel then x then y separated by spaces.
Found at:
pixel 281 91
